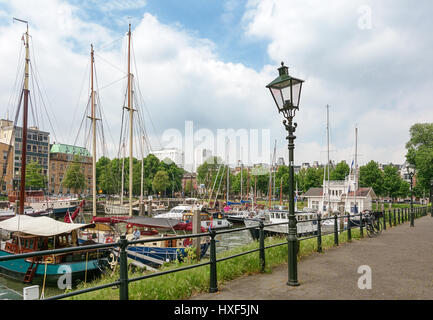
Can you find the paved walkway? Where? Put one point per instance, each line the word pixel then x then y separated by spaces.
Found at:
pixel 401 262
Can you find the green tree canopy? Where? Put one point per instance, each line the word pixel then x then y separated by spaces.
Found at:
pixel 161 181
pixel 74 177
pixel 35 179
pixel 340 171
pixel 391 181
pixel 420 154
pixel 370 175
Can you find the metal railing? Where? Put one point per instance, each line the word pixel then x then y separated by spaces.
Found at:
pixel 391 217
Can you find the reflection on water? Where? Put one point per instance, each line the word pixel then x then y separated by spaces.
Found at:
pixel 232 240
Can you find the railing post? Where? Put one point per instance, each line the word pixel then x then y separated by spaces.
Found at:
pixel 398 212
pixel 213 287
pixel 123 290
pixel 361 227
pixel 389 218
pixel 395 218
pixel 319 232
pixel 335 230
pixel 406 214
pixel 262 247
pixel 349 229
pixel 383 219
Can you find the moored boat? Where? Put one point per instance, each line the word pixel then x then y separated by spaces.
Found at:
pixel 306 223
pixel 30 234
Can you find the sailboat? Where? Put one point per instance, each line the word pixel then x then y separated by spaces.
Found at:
pixel 34 234
pixel 111 208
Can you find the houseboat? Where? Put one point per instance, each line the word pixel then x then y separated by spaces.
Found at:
pixel 33 234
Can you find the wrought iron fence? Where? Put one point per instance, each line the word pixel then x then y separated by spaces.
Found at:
pixel 390 217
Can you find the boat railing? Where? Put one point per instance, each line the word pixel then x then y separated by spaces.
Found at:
pixel 393 217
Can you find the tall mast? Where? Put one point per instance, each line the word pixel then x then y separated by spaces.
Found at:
pixel 94 134
pixel 328 163
pixel 24 131
pixel 281 191
pixel 242 180
pixel 123 174
pixel 270 184
pixel 356 166
pixel 141 179
pixel 130 120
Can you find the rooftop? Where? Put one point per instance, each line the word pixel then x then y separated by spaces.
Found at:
pixel 68 149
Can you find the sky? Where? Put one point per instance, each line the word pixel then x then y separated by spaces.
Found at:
pixel 201 66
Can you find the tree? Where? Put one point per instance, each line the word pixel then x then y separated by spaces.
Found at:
pixel 370 175
pixel 313 178
pixel 34 177
pixel 74 177
pixel 391 182
pixel 161 181
pixel 340 171
pixel 420 154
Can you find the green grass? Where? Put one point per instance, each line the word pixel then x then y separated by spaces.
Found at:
pixel 183 284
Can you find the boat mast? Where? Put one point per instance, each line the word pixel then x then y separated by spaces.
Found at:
pixel 130 120
pixel 24 131
pixel 123 174
pixel 356 167
pixel 281 191
pixel 94 134
pixel 270 184
pixel 141 179
pixel 328 163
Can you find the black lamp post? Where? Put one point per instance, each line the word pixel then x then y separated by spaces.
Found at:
pixel 411 174
pixel 286 92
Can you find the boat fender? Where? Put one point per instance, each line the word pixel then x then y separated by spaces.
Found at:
pixel 109 240
pixel 48 260
pixel 187 242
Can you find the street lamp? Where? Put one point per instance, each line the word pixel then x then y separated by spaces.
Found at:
pixel 411 174
pixel 286 92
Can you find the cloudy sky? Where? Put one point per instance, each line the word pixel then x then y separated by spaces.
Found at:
pixel 201 66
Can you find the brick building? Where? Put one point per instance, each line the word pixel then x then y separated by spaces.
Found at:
pixel 61 157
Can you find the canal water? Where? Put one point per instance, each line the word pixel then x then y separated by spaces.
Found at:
pixel 13 290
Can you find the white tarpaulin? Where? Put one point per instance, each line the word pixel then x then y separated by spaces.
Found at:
pixel 39 226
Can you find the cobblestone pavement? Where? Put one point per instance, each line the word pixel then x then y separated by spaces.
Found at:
pixel 401 262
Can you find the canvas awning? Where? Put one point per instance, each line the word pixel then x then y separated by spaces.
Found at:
pixel 153 222
pixel 39 226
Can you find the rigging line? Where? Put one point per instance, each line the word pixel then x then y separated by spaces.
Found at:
pixel 112 83
pixel 14 89
pixel 141 95
pixel 39 78
pixel 111 64
pixel 43 102
pixel 11 137
pixel 19 91
pixel 79 96
pixel 32 109
pixel 110 43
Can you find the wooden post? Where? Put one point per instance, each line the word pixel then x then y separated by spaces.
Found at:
pixel 149 208
pixel 196 228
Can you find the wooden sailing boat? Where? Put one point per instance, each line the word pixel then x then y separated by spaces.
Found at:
pixel 34 234
pixel 111 208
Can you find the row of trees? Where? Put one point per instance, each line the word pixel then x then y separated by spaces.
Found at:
pixel 163 176
pixel 158 176
pixel 385 183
